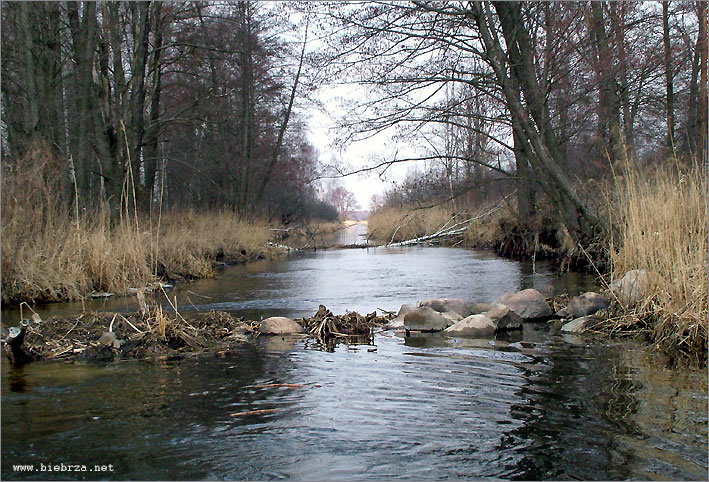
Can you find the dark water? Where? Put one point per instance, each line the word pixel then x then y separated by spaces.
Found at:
pixel 544 407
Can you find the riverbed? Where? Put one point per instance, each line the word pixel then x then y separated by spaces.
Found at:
pixel 539 405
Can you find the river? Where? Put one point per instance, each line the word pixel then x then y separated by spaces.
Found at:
pixel 539 406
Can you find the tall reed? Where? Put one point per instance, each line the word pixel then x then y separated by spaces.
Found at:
pixel 661 218
pixel 50 255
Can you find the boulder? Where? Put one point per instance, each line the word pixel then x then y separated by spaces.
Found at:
pixel 443 305
pixel 504 318
pixel 579 324
pixel 474 326
pixel 108 338
pixel 478 308
pixel 584 305
pixel 635 285
pixel 425 319
pixel 280 325
pixel 405 308
pixel 397 322
pixel 529 304
pixel 452 316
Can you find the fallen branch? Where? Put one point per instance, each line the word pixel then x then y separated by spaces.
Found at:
pixel 447 231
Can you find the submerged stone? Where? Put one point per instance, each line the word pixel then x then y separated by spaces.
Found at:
pixel 579 324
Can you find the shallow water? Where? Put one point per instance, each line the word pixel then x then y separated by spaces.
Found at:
pixel 533 406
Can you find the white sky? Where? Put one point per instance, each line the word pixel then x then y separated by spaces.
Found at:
pixel 355 155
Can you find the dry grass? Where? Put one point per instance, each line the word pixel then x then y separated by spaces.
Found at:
pixel 48 256
pixel 61 261
pixel 661 216
pixel 394 224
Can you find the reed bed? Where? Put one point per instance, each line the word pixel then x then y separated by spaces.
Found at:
pixel 661 219
pixel 54 259
pixel 395 224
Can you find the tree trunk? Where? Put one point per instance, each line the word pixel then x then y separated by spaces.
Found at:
pixel 136 126
pixel 608 102
pixel 575 213
pixel 153 131
pixel 617 16
pixel 702 114
pixel 669 97
pixel 284 124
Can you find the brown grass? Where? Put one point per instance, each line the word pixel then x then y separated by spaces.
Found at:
pixel 662 216
pixel 48 256
pixel 60 261
pixel 394 224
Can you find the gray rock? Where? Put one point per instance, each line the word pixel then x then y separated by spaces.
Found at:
pixel 405 308
pixel 579 324
pixel 280 325
pixel 109 339
pixel 529 304
pixel 443 305
pixel 474 326
pixel 397 322
pixel 452 316
pixel 584 305
pixel 425 319
pixel 504 318
pixel 635 285
pixel 478 308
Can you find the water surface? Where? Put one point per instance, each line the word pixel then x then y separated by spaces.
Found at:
pixel 535 405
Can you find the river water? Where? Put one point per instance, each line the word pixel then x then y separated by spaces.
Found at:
pixel 536 406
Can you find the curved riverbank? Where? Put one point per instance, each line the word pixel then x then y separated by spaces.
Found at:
pixel 657 218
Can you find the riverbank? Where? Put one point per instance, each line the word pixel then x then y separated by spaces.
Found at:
pixel 659 224
pixel 49 258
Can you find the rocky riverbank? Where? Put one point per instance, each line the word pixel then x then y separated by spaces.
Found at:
pixel 154 333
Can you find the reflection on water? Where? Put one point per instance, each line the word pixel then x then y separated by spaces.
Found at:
pixel 546 410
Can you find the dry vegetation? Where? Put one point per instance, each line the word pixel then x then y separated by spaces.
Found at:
pixel 661 216
pixel 47 255
pixel 394 224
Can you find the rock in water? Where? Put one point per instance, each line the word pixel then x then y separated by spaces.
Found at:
pixel 504 318
pixel 474 326
pixel 405 308
pixel 478 308
pixel 529 304
pixel 398 322
pixel 452 316
pixel 425 319
pixel 578 325
pixel 280 325
pixel 583 305
pixel 101 295
pixel 443 305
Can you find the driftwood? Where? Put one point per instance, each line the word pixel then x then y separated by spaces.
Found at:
pixel 447 230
